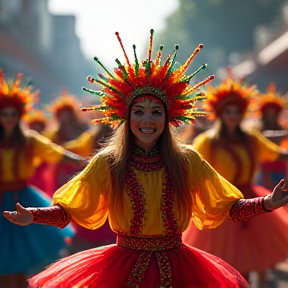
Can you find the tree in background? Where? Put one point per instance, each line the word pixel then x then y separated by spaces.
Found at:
pixel 225 28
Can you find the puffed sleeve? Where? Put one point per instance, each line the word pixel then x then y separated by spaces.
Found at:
pixel 44 149
pixel 85 196
pixel 267 150
pixel 212 195
pixel 82 146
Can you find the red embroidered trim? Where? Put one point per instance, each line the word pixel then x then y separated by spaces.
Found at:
pixel 140 267
pixel 151 245
pixel 236 159
pixel 54 215
pixel 135 192
pixel 141 160
pixel 245 209
pixel 167 206
pixel 146 164
pixel 149 162
pixel 164 269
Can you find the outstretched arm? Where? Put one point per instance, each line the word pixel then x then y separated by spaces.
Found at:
pixel 54 215
pixel 245 209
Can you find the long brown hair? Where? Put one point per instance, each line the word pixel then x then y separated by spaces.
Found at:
pixel 221 130
pixel 18 141
pixel 173 152
pixel 18 138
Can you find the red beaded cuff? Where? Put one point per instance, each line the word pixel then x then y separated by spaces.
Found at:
pixel 245 209
pixel 54 215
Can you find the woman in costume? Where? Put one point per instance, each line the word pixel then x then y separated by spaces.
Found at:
pixel 132 181
pixel 36 120
pixel 85 145
pixel 271 106
pixel 65 110
pixel 260 243
pixel 22 248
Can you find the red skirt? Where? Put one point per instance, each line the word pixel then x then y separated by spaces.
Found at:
pixel 165 262
pixel 254 245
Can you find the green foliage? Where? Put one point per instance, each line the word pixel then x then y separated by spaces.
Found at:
pixel 223 26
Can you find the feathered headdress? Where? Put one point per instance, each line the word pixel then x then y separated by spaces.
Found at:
pixel 35 116
pixel 161 80
pixel 65 101
pixel 271 99
pixel 230 91
pixel 13 95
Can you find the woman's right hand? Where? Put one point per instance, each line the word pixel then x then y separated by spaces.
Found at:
pixel 21 216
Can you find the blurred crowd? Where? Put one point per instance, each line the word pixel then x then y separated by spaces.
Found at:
pixel 244 136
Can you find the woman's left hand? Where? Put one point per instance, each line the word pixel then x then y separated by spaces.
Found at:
pixel 279 197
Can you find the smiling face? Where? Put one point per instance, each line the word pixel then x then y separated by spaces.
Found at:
pixel 232 116
pixel 147 122
pixel 9 118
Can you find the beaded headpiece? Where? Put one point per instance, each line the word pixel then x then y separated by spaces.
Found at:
pixel 65 101
pixel 271 99
pixel 163 81
pixel 230 91
pixel 17 95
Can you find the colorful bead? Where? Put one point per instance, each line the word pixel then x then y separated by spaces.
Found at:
pixel 54 215
pixel 151 246
pixel 141 160
pixel 245 209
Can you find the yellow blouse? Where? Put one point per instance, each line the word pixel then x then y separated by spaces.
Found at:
pixel 85 197
pixel 39 148
pixel 51 135
pixel 242 168
pixel 83 145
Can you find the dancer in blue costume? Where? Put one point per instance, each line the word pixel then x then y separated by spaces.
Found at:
pixel 22 248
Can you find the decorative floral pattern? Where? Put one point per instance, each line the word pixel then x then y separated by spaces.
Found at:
pixel 141 160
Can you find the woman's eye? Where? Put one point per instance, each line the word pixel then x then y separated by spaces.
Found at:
pixel 158 112
pixel 138 112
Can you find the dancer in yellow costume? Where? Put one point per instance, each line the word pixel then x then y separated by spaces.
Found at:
pixel 149 186
pixel 271 108
pixel 22 248
pixel 235 154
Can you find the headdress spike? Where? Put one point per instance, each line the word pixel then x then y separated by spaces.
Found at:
pixel 98 93
pixel 123 49
pixel 17 94
pixel 159 55
pixel 148 77
pixel 122 68
pixel 176 48
pixel 271 88
pixel 190 59
pixel 99 62
pixel 150 45
pixel 136 61
pixel 189 77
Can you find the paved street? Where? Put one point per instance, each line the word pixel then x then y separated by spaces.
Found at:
pixel 277 278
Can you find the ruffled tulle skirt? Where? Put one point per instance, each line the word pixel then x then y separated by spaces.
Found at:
pixel 254 245
pixel 111 266
pixel 24 247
